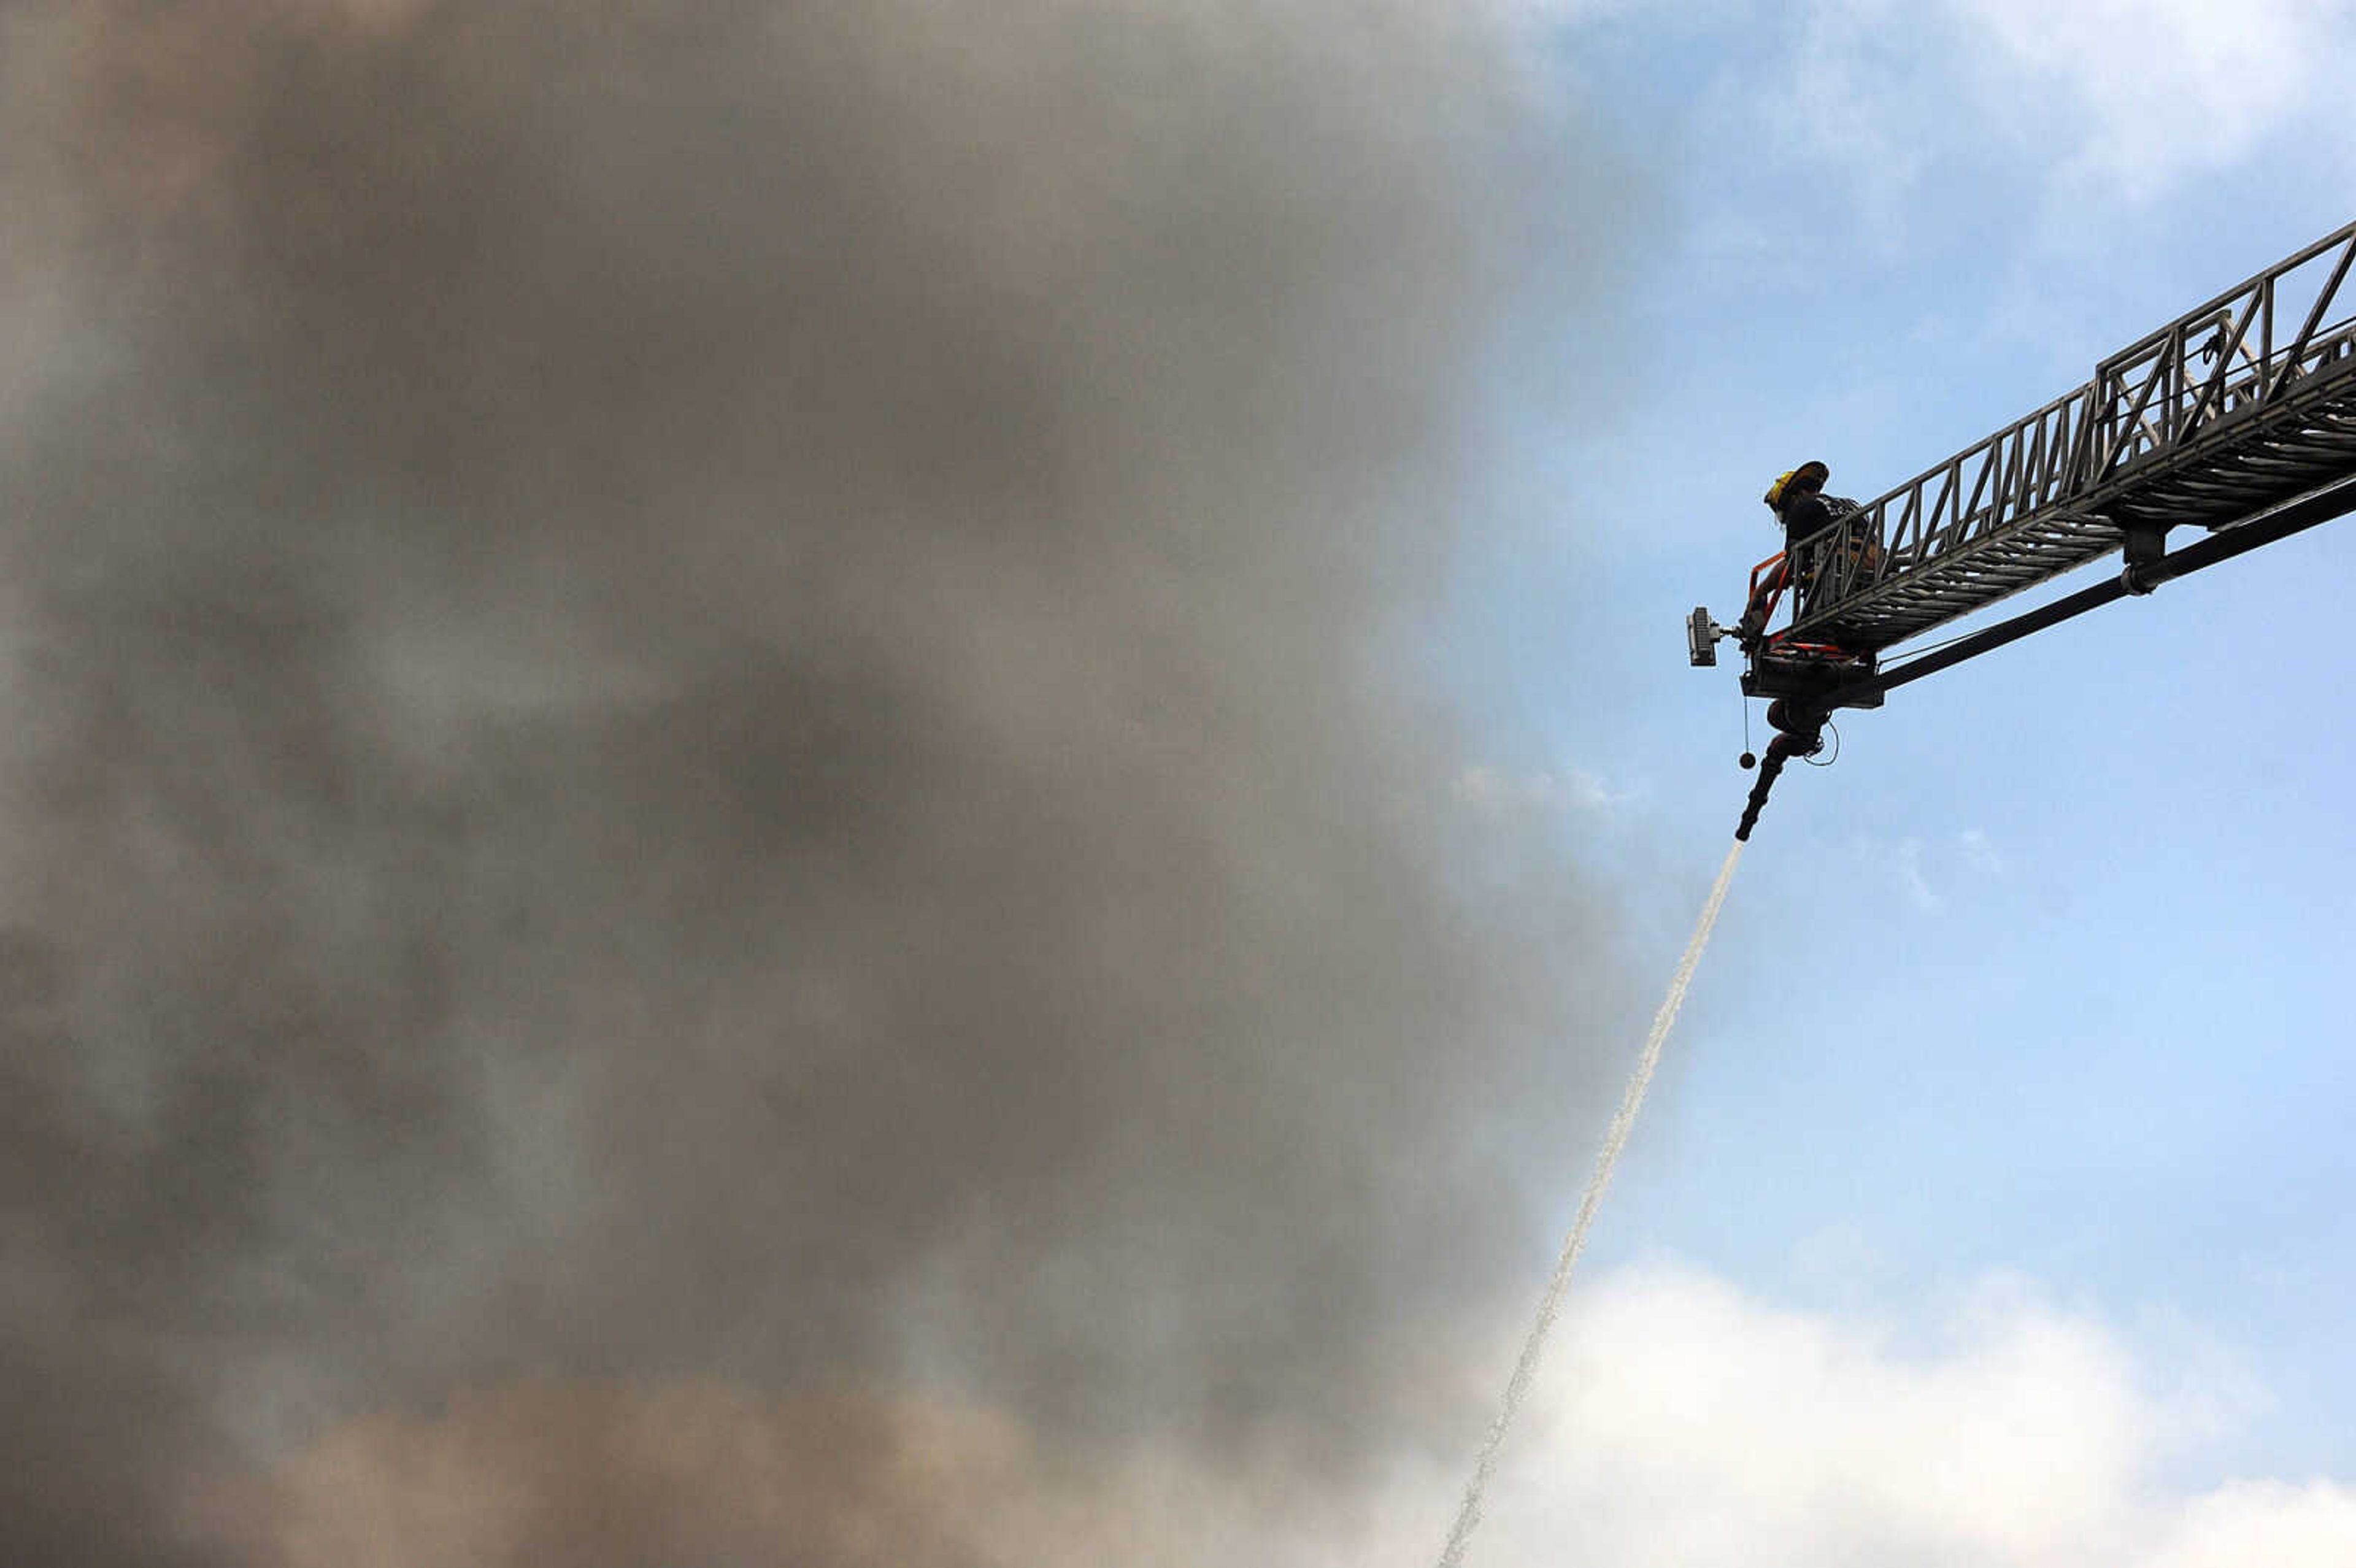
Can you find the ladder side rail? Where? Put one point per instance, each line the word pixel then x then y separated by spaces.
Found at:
pixel 2131 377
pixel 1910 524
pixel 2078 410
pixel 2171 385
pixel 2001 465
pixel 2053 435
pixel 2266 337
pixel 2323 301
pixel 2030 465
pixel 2330 397
pixel 2029 471
pixel 2115 389
pixel 2016 471
pixel 2212 391
pixel 2319 420
pixel 2145 405
pixel 2159 354
pixel 2328 400
pixel 2086 440
pixel 2180 384
pixel 1980 458
pixel 2340 238
pixel 2053 451
pixel 1947 507
pixel 2325 365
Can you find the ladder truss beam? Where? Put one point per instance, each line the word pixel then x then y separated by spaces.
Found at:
pixel 2224 411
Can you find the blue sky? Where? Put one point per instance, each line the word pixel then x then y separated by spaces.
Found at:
pixel 2044 981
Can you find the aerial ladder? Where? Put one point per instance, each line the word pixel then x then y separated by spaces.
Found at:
pixel 2237 420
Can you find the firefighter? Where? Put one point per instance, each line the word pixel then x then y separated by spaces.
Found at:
pixel 1798 500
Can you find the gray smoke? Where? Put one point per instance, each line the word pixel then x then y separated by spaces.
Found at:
pixel 716 693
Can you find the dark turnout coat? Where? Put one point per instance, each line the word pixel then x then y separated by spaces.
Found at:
pixel 1806 513
pixel 1802 516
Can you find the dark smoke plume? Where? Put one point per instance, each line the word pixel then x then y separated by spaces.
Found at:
pixel 713 697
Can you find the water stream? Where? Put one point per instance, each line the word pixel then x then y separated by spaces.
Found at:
pixel 1460 1535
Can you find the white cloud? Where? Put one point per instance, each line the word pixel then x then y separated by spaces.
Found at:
pixel 1498 792
pixel 1910 876
pixel 1852 94
pixel 1926 872
pixel 2092 99
pixel 2146 90
pixel 1766 1436
pixel 1683 1423
pixel 1899 863
pixel 2246 1522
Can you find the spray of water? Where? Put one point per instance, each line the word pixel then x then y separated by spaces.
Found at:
pixel 1468 1515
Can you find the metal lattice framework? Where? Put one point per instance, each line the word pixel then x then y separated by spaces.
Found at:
pixel 2240 404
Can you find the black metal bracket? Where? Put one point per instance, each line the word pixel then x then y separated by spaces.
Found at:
pixel 2145 545
pixel 1808 675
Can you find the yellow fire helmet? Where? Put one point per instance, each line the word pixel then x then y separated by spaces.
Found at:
pixel 1806 474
